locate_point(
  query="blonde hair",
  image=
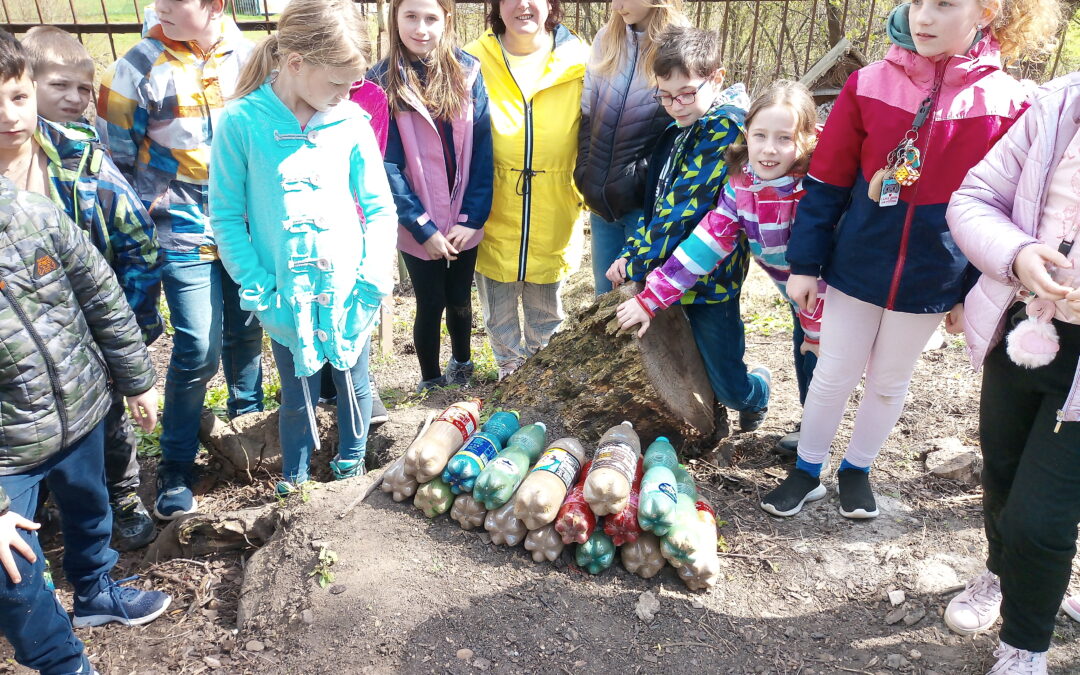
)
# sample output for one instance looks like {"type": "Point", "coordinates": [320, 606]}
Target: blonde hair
{"type": "Point", "coordinates": [50, 47]}
{"type": "Point", "coordinates": [1026, 29]}
{"type": "Point", "coordinates": [795, 97]}
{"type": "Point", "coordinates": [612, 53]}
{"type": "Point", "coordinates": [446, 91]}
{"type": "Point", "coordinates": [326, 33]}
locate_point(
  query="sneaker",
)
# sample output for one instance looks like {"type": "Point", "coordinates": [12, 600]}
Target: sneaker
{"type": "Point", "coordinates": [1071, 605]}
{"type": "Point", "coordinates": [750, 421]}
{"type": "Point", "coordinates": [121, 604]}
{"type": "Point", "coordinates": [1013, 661]}
{"type": "Point", "coordinates": [797, 489]}
{"type": "Point", "coordinates": [434, 383]}
{"type": "Point", "coordinates": [379, 416]}
{"type": "Point", "coordinates": [347, 468]}
{"type": "Point", "coordinates": [789, 444]}
{"type": "Point", "coordinates": [175, 497]}
{"type": "Point", "coordinates": [856, 498]}
{"type": "Point", "coordinates": [977, 607]}
{"type": "Point", "coordinates": [458, 372]}
{"type": "Point", "coordinates": [284, 488]}
{"type": "Point", "coordinates": [132, 526]}
{"type": "Point", "coordinates": [508, 369]}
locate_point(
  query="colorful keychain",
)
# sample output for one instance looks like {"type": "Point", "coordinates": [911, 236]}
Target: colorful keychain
{"type": "Point", "coordinates": [902, 166]}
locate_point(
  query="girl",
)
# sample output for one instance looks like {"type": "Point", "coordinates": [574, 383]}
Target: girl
{"type": "Point", "coordinates": [620, 122]}
{"type": "Point", "coordinates": [899, 140]}
{"type": "Point", "coordinates": [438, 157]}
{"type": "Point", "coordinates": [1017, 217]}
{"type": "Point", "coordinates": [292, 160]}
{"type": "Point", "coordinates": [764, 186]}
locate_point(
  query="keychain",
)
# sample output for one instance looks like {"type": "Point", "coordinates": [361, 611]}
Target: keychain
{"type": "Point", "coordinates": [902, 166]}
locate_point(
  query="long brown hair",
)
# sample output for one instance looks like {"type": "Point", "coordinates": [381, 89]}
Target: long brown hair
{"type": "Point", "coordinates": [446, 91]}
{"type": "Point", "coordinates": [612, 44]}
{"type": "Point", "coordinates": [796, 98]}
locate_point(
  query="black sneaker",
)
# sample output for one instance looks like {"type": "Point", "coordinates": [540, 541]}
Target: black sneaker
{"type": "Point", "coordinates": [856, 497]}
{"type": "Point", "coordinates": [429, 385]}
{"type": "Point", "coordinates": [379, 416]}
{"type": "Point", "coordinates": [789, 444]}
{"type": "Point", "coordinates": [797, 489]}
{"type": "Point", "coordinates": [458, 372]}
{"type": "Point", "coordinates": [132, 526]}
{"type": "Point", "coordinates": [750, 421]}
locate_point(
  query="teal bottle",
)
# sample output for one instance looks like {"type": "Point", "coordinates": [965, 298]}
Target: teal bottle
{"type": "Point", "coordinates": [661, 453]}
{"type": "Point", "coordinates": [596, 554]}
{"type": "Point", "coordinates": [464, 467]}
{"type": "Point", "coordinates": [679, 541]}
{"type": "Point", "coordinates": [659, 490]}
{"type": "Point", "coordinates": [502, 476]}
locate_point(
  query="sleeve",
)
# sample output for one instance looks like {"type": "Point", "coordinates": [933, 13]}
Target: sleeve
{"type": "Point", "coordinates": [411, 213]}
{"type": "Point", "coordinates": [811, 321]}
{"type": "Point", "coordinates": [588, 92]}
{"type": "Point", "coordinates": [380, 119]}
{"type": "Point", "coordinates": [371, 189]}
{"type": "Point", "coordinates": [476, 204]}
{"type": "Point", "coordinates": [122, 115]}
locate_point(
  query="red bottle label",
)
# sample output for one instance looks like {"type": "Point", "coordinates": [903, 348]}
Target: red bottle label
{"type": "Point", "coordinates": [460, 418]}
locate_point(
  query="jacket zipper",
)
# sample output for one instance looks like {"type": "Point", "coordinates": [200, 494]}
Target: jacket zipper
{"type": "Point", "coordinates": [526, 185]}
{"type": "Point", "coordinates": [50, 366]}
{"type": "Point", "coordinates": [618, 123]}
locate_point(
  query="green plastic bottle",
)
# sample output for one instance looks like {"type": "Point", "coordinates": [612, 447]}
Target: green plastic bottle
{"type": "Point", "coordinates": [596, 554]}
{"type": "Point", "coordinates": [661, 453]}
{"type": "Point", "coordinates": [659, 494]}
{"type": "Point", "coordinates": [464, 467]}
{"type": "Point", "coordinates": [502, 476]}
{"type": "Point", "coordinates": [681, 540]}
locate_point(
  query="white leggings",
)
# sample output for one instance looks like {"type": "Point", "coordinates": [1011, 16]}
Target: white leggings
{"type": "Point", "coordinates": [857, 336]}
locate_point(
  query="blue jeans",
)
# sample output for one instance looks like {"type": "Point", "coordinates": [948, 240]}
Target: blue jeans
{"type": "Point", "coordinates": [721, 339]}
{"type": "Point", "coordinates": [607, 240]}
{"type": "Point", "coordinates": [804, 363]}
{"type": "Point", "coordinates": [31, 618]}
{"type": "Point", "coordinates": [297, 442]}
{"type": "Point", "coordinates": [204, 304]}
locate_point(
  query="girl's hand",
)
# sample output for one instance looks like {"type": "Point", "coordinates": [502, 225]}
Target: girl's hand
{"type": "Point", "coordinates": [802, 289]}
{"type": "Point", "coordinates": [1073, 298]}
{"type": "Point", "coordinates": [810, 348]}
{"type": "Point", "coordinates": [144, 409]}
{"type": "Point", "coordinates": [954, 320]}
{"type": "Point", "coordinates": [438, 247]}
{"type": "Point", "coordinates": [10, 539]}
{"type": "Point", "coordinates": [630, 313]}
{"type": "Point", "coordinates": [459, 235]}
{"type": "Point", "coordinates": [616, 274]}
{"type": "Point", "coordinates": [1030, 268]}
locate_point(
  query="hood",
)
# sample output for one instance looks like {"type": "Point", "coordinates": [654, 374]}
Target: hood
{"type": "Point", "coordinates": [733, 102]}
{"type": "Point", "coordinates": [982, 58]}
{"type": "Point", "coordinates": [566, 62]}
{"type": "Point", "coordinates": [230, 35]}
{"type": "Point", "coordinates": [265, 101]}
{"type": "Point", "coordinates": [64, 140]}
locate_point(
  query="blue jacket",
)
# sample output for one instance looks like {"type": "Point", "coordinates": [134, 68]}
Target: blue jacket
{"type": "Point", "coordinates": [283, 203]}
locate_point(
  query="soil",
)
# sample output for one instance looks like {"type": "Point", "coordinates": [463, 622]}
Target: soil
{"type": "Point", "coordinates": [803, 595]}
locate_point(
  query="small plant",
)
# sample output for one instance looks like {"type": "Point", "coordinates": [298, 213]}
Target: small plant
{"type": "Point", "coordinates": [148, 443]}
{"type": "Point", "coordinates": [322, 571]}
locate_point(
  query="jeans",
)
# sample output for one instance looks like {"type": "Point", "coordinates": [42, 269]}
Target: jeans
{"type": "Point", "coordinates": [204, 303]}
{"type": "Point", "coordinates": [543, 316]}
{"type": "Point", "coordinates": [297, 441]}
{"type": "Point", "coordinates": [31, 618]}
{"type": "Point", "coordinates": [121, 450]}
{"type": "Point", "coordinates": [440, 286]}
{"type": "Point", "coordinates": [804, 363]}
{"type": "Point", "coordinates": [721, 339]}
{"type": "Point", "coordinates": [1031, 487]}
{"type": "Point", "coordinates": [607, 240]}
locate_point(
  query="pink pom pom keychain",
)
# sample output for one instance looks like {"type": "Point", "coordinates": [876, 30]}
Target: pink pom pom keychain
{"type": "Point", "coordinates": [1034, 341]}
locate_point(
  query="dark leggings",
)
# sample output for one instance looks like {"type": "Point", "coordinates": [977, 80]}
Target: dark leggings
{"type": "Point", "coordinates": [439, 287]}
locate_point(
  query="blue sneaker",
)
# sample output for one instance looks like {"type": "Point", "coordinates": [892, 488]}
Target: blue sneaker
{"type": "Point", "coordinates": [284, 488]}
{"type": "Point", "coordinates": [121, 604]}
{"type": "Point", "coordinates": [347, 468]}
{"type": "Point", "coordinates": [175, 497]}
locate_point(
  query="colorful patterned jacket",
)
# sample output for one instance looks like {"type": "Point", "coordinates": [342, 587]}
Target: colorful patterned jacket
{"type": "Point", "coordinates": [90, 189]}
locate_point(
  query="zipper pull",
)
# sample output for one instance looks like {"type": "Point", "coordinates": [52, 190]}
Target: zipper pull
{"type": "Point", "coordinates": [1060, 419]}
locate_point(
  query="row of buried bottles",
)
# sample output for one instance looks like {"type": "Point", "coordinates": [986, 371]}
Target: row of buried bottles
{"type": "Point", "coordinates": [506, 478]}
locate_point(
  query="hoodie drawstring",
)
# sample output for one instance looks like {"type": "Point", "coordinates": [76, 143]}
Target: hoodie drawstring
{"type": "Point", "coordinates": [312, 422]}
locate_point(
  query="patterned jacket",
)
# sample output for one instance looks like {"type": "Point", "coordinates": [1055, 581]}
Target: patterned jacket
{"type": "Point", "coordinates": [157, 110]}
{"type": "Point", "coordinates": [65, 331]}
{"type": "Point", "coordinates": [698, 174]}
{"type": "Point", "coordinates": [90, 189]}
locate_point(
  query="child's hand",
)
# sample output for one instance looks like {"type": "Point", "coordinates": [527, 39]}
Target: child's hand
{"type": "Point", "coordinates": [954, 320]}
{"type": "Point", "coordinates": [458, 236]}
{"type": "Point", "coordinates": [1030, 268]}
{"type": "Point", "coordinates": [616, 274]}
{"type": "Point", "coordinates": [802, 289]}
{"type": "Point", "coordinates": [10, 539]}
{"type": "Point", "coordinates": [144, 408]}
{"type": "Point", "coordinates": [1073, 298]}
{"type": "Point", "coordinates": [438, 247]}
{"type": "Point", "coordinates": [808, 347]}
{"type": "Point", "coordinates": [630, 313]}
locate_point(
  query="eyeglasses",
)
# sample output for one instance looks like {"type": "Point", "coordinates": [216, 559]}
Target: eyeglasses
{"type": "Point", "coordinates": [683, 99]}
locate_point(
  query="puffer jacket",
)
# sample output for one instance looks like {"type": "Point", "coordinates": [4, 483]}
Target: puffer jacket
{"type": "Point", "coordinates": [997, 211]}
{"type": "Point", "coordinates": [620, 122]}
{"type": "Point", "coordinates": [65, 331]}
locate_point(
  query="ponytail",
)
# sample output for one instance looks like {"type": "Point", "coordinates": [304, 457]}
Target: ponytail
{"type": "Point", "coordinates": [262, 62]}
{"type": "Point", "coordinates": [1027, 29]}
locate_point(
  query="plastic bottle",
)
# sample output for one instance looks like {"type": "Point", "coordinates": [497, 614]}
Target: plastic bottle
{"type": "Point", "coordinates": [576, 521]}
{"type": "Point", "coordinates": [545, 544]}
{"type": "Point", "coordinates": [434, 498]}
{"type": "Point", "coordinates": [661, 453]}
{"type": "Point", "coordinates": [504, 527]}
{"type": "Point", "coordinates": [467, 512]}
{"type": "Point", "coordinates": [682, 540]}
{"type": "Point", "coordinates": [607, 487]}
{"type": "Point", "coordinates": [623, 526]}
{"type": "Point", "coordinates": [500, 478]}
{"type": "Point", "coordinates": [642, 556]}
{"type": "Point", "coordinates": [703, 569]}
{"type": "Point", "coordinates": [659, 490]}
{"type": "Point", "coordinates": [467, 463]}
{"type": "Point", "coordinates": [400, 484]}
{"type": "Point", "coordinates": [596, 554]}
{"type": "Point", "coordinates": [441, 439]}
{"type": "Point", "coordinates": [541, 494]}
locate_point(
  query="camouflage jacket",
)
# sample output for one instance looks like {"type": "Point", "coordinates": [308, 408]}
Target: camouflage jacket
{"type": "Point", "coordinates": [66, 331]}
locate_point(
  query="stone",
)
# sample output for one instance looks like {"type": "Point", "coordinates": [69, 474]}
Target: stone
{"type": "Point", "coordinates": [465, 654]}
{"type": "Point", "coordinates": [481, 664]}
{"type": "Point", "coordinates": [896, 598]}
{"type": "Point", "coordinates": [254, 646]}
{"type": "Point", "coordinates": [895, 661]}
{"type": "Point", "coordinates": [212, 661]}
{"type": "Point", "coordinates": [647, 606]}
{"type": "Point", "coordinates": [949, 458]}
{"type": "Point", "coordinates": [914, 616]}
{"type": "Point", "coordinates": [895, 616]}
{"type": "Point", "coordinates": [338, 589]}
{"type": "Point", "coordinates": [934, 575]}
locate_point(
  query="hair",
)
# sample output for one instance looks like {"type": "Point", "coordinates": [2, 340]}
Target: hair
{"type": "Point", "coordinates": [796, 98]}
{"type": "Point", "coordinates": [612, 44]}
{"type": "Point", "coordinates": [498, 27]}
{"type": "Point", "coordinates": [49, 47]}
{"type": "Point", "coordinates": [446, 91]}
{"type": "Point", "coordinates": [1026, 29]}
{"type": "Point", "coordinates": [327, 33]}
{"type": "Point", "coordinates": [692, 51]}
{"type": "Point", "coordinates": [14, 61]}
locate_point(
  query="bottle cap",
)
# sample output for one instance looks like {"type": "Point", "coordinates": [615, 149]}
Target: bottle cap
{"type": "Point", "coordinates": [662, 439]}
{"type": "Point", "coordinates": [541, 425]}
{"type": "Point", "coordinates": [628, 423]}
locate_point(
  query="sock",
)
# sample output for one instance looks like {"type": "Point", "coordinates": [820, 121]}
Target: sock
{"type": "Point", "coordinates": [848, 465]}
{"type": "Point", "coordinates": [809, 467]}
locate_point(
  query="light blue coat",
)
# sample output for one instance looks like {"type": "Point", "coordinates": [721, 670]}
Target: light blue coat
{"type": "Point", "coordinates": [283, 203]}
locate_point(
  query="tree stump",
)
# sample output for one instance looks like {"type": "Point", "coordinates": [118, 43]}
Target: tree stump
{"type": "Point", "coordinates": [591, 376]}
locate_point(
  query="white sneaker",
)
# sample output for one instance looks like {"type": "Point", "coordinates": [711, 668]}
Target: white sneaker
{"type": "Point", "coordinates": [1013, 661]}
{"type": "Point", "coordinates": [1071, 605]}
{"type": "Point", "coordinates": [977, 607]}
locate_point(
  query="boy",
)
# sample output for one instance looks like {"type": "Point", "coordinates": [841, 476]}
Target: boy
{"type": "Point", "coordinates": [156, 112]}
{"type": "Point", "coordinates": [686, 175]}
{"type": "Point", "coordinates": [84, 182]}
{"type": "Point", "coordinates": [65, 332]}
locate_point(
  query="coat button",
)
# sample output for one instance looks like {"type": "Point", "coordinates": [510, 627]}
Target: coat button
{"type": "Point", "coordinates": [322, 335]}
{"type": "Point", "coordinates": [323, 264]}
{"type": "Point", "coordinates": [312, 135]}
{"type": "Point", "coordinates": [323, 299]}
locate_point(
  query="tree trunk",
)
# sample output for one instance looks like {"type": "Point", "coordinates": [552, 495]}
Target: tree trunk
{"type": "Point", "coordinates": [591, 376]}
{"type": "Point", "coordinates": [201, 534]}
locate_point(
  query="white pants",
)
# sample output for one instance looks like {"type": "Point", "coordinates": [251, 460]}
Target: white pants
{"type": "Point", "coordinates": [500, 301]}
{"type": "Point", "coordinates": [858, 337]}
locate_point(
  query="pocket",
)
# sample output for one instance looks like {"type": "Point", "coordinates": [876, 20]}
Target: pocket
{"type": "Point", "coordinates": [279, 320]}
{"type": "Point", "coordinates": [360, 310]}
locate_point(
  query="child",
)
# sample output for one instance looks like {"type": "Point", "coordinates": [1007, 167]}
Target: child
{"type": "Point", "coordinates": [1016, 218]}
{"type": "Point", "coordinates": [934, 106]}
{"type": "Point", "coordinates": [440, 120]}
{"type": "Point", "coordinates": [65, 333]}
{"type": "Point", "coordinates": [77, 174]}
{"type": "Point", "coordinates": [686, 177]}
{"type": "Point", "coordinates": [620, 121]}
{"type": "Point", "coordinates": [293, 159]}
{"type": "Point", "coordinates": [759, 200]}
{"type": "Point", "coordinates": [157, 111]}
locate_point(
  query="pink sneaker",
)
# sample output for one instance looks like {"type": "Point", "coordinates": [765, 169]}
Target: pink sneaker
{"type": "Point", "coordinates": [1071, 605]}
{"type": "Point", "coordinates": [1013, 661]}
{"type": "Point", "coordinates": [977, 607]}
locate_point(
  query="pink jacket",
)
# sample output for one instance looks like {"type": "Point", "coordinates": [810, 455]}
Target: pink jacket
{"type": "Point", "coordinates": [997, 211]}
